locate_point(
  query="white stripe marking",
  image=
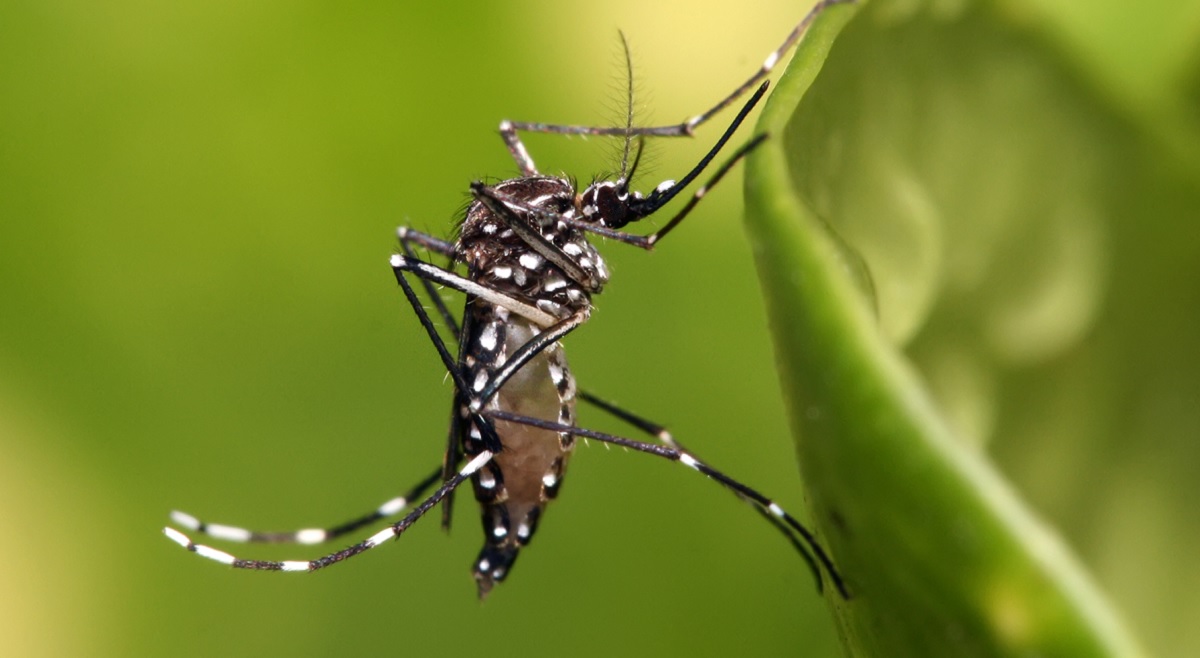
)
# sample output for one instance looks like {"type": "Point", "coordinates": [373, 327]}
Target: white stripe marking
{"type": "Point", "coordinates": [487, 337]}
{"type": "Point", "coordinates": [186, 520]}
{"type": "Point", "coordinates": [213, 554]}
{"type": "Point", "coordinates": [688, 460]}
{"type": "Point", "coordinates": [177, 537]}
{"type": "Point", "coordinates": [530, 260]}
{"type": "Point", "coordinates": [477, 463]}
{"type": "Point", "coordinates": [468, 286]}
{"type": "Point", "coordinates": [381, 536]}
{"type": "Point", "coordinates": [393, 506]}
{"type": "Point", "coordinates": [228, 532]}
{"type": "Point", "coordinates": [771, 61]}
{"type": "Point", "coordinates": [311, 536]}
{"type": "Point", "coordinates": [295, 566]}
{"type": "Point", "coordinates": [776, 510]}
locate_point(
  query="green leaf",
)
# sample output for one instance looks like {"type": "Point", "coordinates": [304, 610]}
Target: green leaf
{"type": "Point", "coordinates": [930, 212]}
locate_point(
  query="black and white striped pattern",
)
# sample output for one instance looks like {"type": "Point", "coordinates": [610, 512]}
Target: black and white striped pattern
{"type": "Point", "coordinates": [378, 538]}
{"type": "Point", "coordinates": [530, 274]}
{"type": "Point", "coordinates": [307, 536]}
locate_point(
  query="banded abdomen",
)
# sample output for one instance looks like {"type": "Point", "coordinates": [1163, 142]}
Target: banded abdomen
{"type": "Point", "coordinates": [526, 474]}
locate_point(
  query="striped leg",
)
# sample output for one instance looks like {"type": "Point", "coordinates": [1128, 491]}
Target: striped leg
{"type": "Point", "coordinates": [664, 436]}
{"type": "Point", "coordinates": [393, 530]}
{"type": "Point", "coordinates": [677, 454]}
{"type": "Point", "coordinates": [449, 279]}
{"type": "Point", "coordinates": [452, 455]}
{"type": "Point", "coordinates": [307, 535]}
{"type": "Point", "coordinates": [509, 129]}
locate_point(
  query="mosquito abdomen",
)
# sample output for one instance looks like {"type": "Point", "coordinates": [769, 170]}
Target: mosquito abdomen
{"type": "Point", "coordinates": [526, 474]}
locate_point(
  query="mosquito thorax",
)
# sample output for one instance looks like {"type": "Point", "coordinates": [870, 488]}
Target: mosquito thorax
{"type": "Point", "coordinates": [497, 256]}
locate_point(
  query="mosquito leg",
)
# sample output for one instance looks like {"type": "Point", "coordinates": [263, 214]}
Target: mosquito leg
{"type": "Point", "coordinates": [768, 64]}
{"type": "Point", "coordinates": [663, 435]}
{"type": "Point", "coordinates": [691, 461]}
{"type": "Point", "coordinates": [393, 530]}
{"type": "Point", "coordinates": [452, 455]}
{"type": "Point", "coordinates": [307, 535]}
{"type": "Point", "coordinates": [686, 128]}
{"type": "Point", "coordinates": [320, 535]}
{"type": "Point", "coordinates": [408, 237]}
{"type": "Point", "coordinates": [648, 426]}
{"type": "Point", "coordinates": [401, 264]}
{"type": "Point", "coordinates": [508, 132]}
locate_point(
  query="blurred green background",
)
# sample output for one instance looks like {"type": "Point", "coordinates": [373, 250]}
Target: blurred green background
{"type": "Point", "coordinates": [197, 203]}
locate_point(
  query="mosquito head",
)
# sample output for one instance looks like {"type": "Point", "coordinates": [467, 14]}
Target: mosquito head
{"type": "Point", "coordinates": [611, 205]}
{"type": "Point", "coordinates": [607, 203]}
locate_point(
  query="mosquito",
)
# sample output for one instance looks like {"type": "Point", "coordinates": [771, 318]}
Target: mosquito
{"type": "Point", "coordinates": [530, 275]}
